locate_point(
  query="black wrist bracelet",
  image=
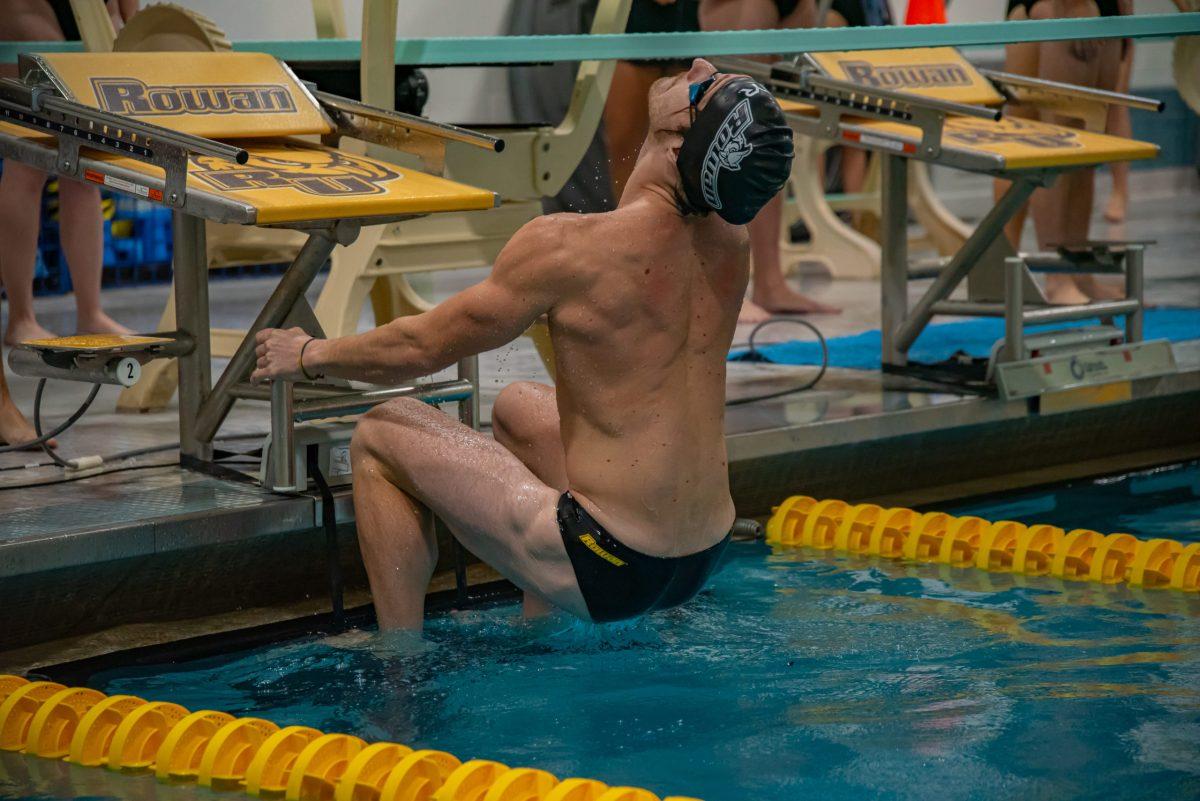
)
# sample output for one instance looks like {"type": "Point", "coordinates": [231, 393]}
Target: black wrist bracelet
{"type": "Point", "coordinates": [304, 372]}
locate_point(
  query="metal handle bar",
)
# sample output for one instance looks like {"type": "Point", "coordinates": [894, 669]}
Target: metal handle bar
{"type": "Point", "coordinates": [103, 123]}
{"type": "Point", "coordinates": [1070, 90]}
{"type": "Point", "coordinates": [337, 105]}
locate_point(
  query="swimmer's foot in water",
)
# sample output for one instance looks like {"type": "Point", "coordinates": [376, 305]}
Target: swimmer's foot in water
{"type": "Point", "coordinates": [14, 428]}
{"type": "Point", "coordinates": [101, 323]}
{"type": "Point", "coordinates": [22, 330]}
{"type": "Point", "coordinates": [783, 299]}
{"type": "Point", "coordinates": [395, 643]}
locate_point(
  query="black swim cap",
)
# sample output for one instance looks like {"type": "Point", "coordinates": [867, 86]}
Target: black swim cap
{"type": "Point", "coordinates": [738, 153]}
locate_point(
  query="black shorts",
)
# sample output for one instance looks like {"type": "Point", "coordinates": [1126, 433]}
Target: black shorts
{"type": "Point", "coordinates": [618, 582]}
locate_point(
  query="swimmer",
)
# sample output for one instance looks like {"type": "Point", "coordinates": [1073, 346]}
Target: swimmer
{"type": "Point", "coordinates": [608, 495]}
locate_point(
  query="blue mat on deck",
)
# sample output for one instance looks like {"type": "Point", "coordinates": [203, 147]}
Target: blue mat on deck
{"type": "Point", "coordinates": [941, 341]}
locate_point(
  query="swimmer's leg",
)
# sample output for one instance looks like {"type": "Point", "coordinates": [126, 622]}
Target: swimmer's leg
{"type": "Point", "coordinates": [409, 460]}
{"type": "Point", "coordinates": [525, 421]}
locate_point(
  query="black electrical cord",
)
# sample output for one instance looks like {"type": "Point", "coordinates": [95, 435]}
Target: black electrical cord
{"type": "Point", "coordinates": [37, 422]}
{"type": "Point", "coordinates": [41, 438]}
{"type": "Point", "coordinates": [172, 446]}
{"type": "Point", "coordinates": [753, 352]}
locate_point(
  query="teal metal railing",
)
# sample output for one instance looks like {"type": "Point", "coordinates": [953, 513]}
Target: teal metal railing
{"type": "Point", "coordinates": [443, 51]}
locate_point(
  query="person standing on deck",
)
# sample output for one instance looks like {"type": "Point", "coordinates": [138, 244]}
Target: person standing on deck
{"type": "Point", "coordinates": [81, 221]}
{"type": "Point", "coordinates": [608, 495]}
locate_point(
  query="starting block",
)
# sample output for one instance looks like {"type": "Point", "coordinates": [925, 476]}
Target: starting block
{"type": "Point", "coordinates": [216, 137]}
{"type": "Point", "coordinates": [932, 106]}
{"type": "Point", "coordinates": [100, 358]}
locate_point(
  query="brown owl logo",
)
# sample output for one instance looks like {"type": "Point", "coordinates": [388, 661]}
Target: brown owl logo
{"type": "Point", "coordinates": [314, 171]}
{"type": "Point", "coordinates": [1011, 130]}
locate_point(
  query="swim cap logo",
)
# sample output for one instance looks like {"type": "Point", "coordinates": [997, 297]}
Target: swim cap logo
{"type": "Point", "coordinates": [325, 173]}
{"type": "Point", "coordinates": [905, 76]}
{"type": "Point", "coordinates": [729, 147]}
{"type": "Point", "coordinates": [138, 99]}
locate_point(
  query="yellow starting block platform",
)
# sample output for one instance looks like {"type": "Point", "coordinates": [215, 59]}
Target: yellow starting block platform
{"type": "Point", "coordinates": [279, 181]}
{"type": "Point", "coordinates": [216, 136]}
{"type": "Point", "coordinates": [933, 106]}
{"type": "Point", "coordinates": [936, 72]}
{"type": "Point", "coordinates": [968, 140]}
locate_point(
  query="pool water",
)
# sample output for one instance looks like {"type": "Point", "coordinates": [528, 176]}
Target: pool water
{"type": "Point", "coordinates": [795, 675]}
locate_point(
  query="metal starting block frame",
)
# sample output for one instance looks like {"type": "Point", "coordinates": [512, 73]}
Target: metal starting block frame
{"type": "Point", "coordinates": [321, 410]}
{"type": "Point", "coordinates": [100, 359]}
{"type": "Point", "coordinates": [44, 104]}
{"type": "Point", "coordinates": [1027, 366]}
{"type": "Point", "coordinates": [1000, 282]}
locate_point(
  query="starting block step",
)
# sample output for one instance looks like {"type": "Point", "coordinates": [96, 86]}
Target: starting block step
{"type": "Point", "coordinates": [97, 343]}
{"type": "Point", "coordinates": [94, 358]}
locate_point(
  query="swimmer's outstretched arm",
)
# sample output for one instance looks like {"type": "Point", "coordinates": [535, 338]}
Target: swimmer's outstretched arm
{"type": "Point", "coordinates": [526, 282]}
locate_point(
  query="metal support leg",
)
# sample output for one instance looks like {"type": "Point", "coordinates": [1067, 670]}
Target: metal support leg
{"type": "Point", "coordinates": [990, 227]}
{"type": "Point", "coordinates": [894, 264]}
{"type": "Point", "coordinates": [283, 437]}
{"type": "Point", "coordinates": [290, 289]}
{"type": "Point", "coordinates": [1014, 309]}
{"type": "Point", "coordinates": [468, 408]}
{"type": "Point", "coordinates": [190, 264]}
{"type": "Point", "coordinates": [1134, 290]}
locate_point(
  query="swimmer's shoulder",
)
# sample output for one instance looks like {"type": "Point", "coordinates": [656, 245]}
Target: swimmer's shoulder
{"type": "Point", "coordinates": [545, 237]}
{"type": "Point", "coordinates": [552, 232]}
{"type": "Point", "coordinates": [555, 245]}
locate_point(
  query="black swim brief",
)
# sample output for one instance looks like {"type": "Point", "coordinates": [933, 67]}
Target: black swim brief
{"type": "Point", "coordinates": [618, 582]}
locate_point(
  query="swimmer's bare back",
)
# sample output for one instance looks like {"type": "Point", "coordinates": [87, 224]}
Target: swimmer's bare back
{"type": "Point", "coordinates": [640, 350]}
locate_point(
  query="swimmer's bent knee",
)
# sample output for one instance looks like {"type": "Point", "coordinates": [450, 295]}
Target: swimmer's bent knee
{"type": "Point", "coordinates": [506, 409]}
{"type": "Point", "coordinates": [389, 420]}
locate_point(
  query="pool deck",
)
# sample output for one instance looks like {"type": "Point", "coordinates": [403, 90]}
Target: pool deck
{"type": "Point", "coordinates": [160, 544]}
